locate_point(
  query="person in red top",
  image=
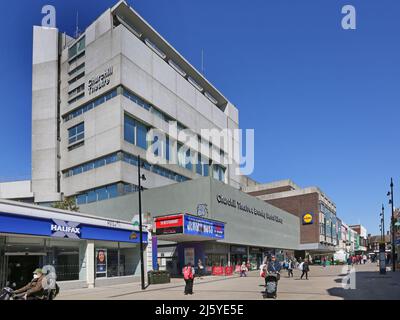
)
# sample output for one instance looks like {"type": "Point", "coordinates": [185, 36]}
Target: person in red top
{"type": "Point", "coordinates": [188, 275]}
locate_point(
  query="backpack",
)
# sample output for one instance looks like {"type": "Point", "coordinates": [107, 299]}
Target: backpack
{"type": "Point", "coordinates": [187, 273]}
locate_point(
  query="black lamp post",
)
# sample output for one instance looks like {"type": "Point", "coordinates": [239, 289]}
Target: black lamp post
{"type": "Point", "coordinates": [383, 224]}
{"type": "Point", "coordinates": [140, 178]}
{"type": "Point", "coordinates": [392, 226]}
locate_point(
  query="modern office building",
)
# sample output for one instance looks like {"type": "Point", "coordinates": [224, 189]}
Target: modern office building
{"type": "Point", "coordinates": [319, 229]}
{"type": "Point", "coordinates": [94, 99]}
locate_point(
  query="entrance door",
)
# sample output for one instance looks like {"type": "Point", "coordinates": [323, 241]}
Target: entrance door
{"type": "Point", "coordinates": [20, 269]}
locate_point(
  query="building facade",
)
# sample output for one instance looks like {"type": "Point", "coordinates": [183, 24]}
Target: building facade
{"type": "Point", "coordinates": [95, 99]}
{"type": "Point", "coordinates": [243, 228]}
{"type": "Point", "coordinates": [320, 228]}
{"type": "Point", "coordinates": [84, 250]}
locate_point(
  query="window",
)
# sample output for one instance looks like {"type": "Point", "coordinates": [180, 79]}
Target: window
{"type": "Point", "coordinates": [77, 69]}
{"type": "Point", "coordinates": [76, 133]}
{"type": "Point", "coordinates": [202, 166]}
{"type": "Point", "coordinates": [77, 48]}
{"type": "Point", "coordinates": [141, 131]}
{"type": "Point", "coordinates": [76, 90]}
{"type": "Point", "coordinates": [135, 132]}
{"type": "Point", "coordinates": [219, 173]}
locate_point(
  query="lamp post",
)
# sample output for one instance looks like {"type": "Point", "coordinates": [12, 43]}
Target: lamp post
{"type": "Point", "coordinates": [390, 193]}
{"type": "Point", "coordinates": [383, 224]}
{"type": "Point", "coordinates": [140, 178]}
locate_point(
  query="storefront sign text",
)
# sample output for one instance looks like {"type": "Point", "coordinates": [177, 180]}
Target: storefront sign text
{"type": "Point", "coordinates": [62, 229]}
{"type": "Point", "coordinates": [245, 208]}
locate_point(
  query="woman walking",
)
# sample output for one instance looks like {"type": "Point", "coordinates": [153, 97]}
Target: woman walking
{"type": "Point", "coordinates": [188, 275]}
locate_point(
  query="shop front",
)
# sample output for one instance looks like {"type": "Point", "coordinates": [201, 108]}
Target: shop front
{"type": "Point", "coordinates": [195, 238]}
{"type": "Point", "coordinates": [84, 251]}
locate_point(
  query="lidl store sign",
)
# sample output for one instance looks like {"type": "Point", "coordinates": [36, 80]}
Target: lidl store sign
{"type": "Point", "coordinates": [308, 218]}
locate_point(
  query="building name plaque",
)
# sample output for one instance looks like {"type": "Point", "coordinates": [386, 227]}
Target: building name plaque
{"type": "Point", "coordinates": [245, 208]}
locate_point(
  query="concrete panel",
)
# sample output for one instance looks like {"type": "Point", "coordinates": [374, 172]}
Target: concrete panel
{"type": "Point", "coordinates": [186, 91]}
{"type": "Point", "coordinates": [164, 73]}
{"type": "Point", "coordinates": [44, 38]}
{"type": "Point", "coordinates": [136, 51]}
{"type": "Point", "coordinates": [164, 99]}
{"type": "Point", "coordinates": [44, 113]}
{"type": "Point", "coordinates": [232, 112]}
{"type": "Point", "coordinates": [16, 190]}
{"type": "Point", "coordinates": [136, 79]}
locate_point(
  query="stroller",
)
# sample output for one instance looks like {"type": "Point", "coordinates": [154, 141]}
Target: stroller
{"type": "Point", "coordinates": [6, 294]}
{"type": "Point", "coordinates": [271, 285]}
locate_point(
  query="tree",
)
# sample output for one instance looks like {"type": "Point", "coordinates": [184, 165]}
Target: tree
{"type": "Point", "coordinates": [68, 204]}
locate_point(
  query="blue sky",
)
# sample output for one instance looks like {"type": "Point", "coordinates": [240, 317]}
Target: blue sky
{"type": "Point", "coordinates": [324, 102]}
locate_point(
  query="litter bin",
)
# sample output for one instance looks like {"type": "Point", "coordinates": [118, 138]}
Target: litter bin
{"type": "Point", "coordinates": [158, 277]}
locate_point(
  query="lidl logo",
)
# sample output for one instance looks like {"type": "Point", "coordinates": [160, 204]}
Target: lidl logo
{"type": "Point", "coordinates": [308, 218]}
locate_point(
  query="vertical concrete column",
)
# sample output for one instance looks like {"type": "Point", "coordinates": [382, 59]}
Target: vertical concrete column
{"type": "Point", "coordinates": [90, 267]}
{"type": "Point", "coordinates": [229, 255]}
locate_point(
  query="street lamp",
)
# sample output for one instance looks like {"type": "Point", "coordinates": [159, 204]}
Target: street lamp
{"type": "Point", "coordinates": [390, 193]}
{"type": "Point", "coordinates": [140, 178]}
{"type": "Point", "coordinates": [383, 223]}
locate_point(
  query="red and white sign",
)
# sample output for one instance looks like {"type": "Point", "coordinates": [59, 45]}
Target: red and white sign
{"type": "Point", "coordinates": [169, 225]}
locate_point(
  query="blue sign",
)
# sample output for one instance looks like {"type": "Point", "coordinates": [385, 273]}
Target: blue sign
{"type": "Point", "coordinates": [25, 225]}
{"type": "Point", "coordinates": [202, 227]}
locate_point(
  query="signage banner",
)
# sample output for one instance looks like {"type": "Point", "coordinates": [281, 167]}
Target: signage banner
{"type": "Point", "coordinates": [169, 225]}
{"type": "Point", "coordinates": [308, 218]}
{"type": "Point", "coordinates": [202, 227]}
{"type": "Point", "coordinates": [101, 262]}
{"type": "Point", "coordinates": [27, 225]}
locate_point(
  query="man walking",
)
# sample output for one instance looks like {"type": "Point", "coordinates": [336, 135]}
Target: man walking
{"type": "Point", "coordinates": [290, 267]}
{"type": "Point", "coordinates": [306, 269]}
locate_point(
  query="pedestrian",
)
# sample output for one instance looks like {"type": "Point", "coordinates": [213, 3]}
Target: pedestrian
{"type": "Point", "coordinates": [248, 265]}
{"type": "Point", "coordinates": [188, 275]}
{"type": "Point", "coordinates": [200, 268]}
{"type": "Point", "coordinates": [349, 263]}
{"type": "Point", "coordinates": [365, 259]}
{"type": "Point", "coordinates": [324, 262]}
{"type": "Point", "coordinates": [290, 267]}
{"type": "Point", "coordinates": [306, 269]}
{"type": "Point", "coordinates": [243, 270]}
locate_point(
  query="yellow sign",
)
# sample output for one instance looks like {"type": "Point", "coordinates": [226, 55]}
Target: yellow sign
{"type": "Point", "coordinates": [308, 218]}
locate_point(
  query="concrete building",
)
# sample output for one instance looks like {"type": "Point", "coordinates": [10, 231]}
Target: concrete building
{"type": "Point", "coordinates": [208, 220]}
{"type": "Point", "coordinates": [319, 229]}
{"type": "Point", "coordinates": [95, 99]}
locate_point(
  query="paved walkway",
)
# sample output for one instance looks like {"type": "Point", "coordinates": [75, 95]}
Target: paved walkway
{"type": "Point", "coordinates": [323, 284]}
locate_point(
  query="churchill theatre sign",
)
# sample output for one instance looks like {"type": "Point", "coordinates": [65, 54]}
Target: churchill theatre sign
{"type": "Point", "coordinates": [247, 209]}
{"type": "Point", "coordinates": [100, 81]}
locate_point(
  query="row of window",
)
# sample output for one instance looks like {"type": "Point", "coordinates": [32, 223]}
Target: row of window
{"type": "Point", "coordinates": [131, 96]}
{"type": "Point", "coordinates": [135, 133]}
{"type": "Point", "coordinates": [91, 105]}
{"type": "Point", "coordinates": [128, 158]}
{"type": "Point", "coordinates": [106, 192]}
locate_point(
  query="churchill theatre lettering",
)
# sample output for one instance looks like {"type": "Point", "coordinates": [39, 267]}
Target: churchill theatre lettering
{"type": "Point", "coordinates": [245, 208]}
{"type": "Point", "coordinates": [100, 81]}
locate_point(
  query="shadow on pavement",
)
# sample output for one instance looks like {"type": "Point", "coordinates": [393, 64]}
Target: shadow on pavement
{"type": "Point", "coordinates": [367, 285]}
